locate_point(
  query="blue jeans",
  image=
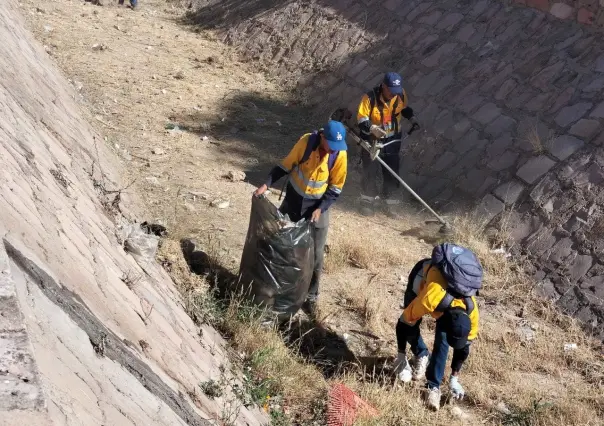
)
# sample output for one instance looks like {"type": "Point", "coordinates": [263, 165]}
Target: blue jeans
{"type": "Point", "coordinates": [438, 360]}
{"type": "Point", "coordinates": [132, 2]}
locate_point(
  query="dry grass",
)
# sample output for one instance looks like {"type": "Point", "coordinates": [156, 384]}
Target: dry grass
{"type": "Point", "coordinates": [538, 142]}
{"type": "Point", "coordinates": [361, 251]}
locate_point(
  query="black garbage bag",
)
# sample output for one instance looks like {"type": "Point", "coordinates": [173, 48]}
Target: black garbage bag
{"type": "Point", "coordinates": [277, 260]}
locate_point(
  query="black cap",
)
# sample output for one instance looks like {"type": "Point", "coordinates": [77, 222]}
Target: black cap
{"type": "Point", "coordinates": [458, 326]}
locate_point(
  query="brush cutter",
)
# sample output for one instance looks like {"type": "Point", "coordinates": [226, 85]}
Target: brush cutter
{"type": "Point", "coordinates": [374, 149]}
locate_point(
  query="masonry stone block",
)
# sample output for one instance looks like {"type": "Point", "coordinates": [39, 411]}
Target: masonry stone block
{"type": "Point", "coordinates": [500, 145]}
{"type": "Point", "coordinates": [425, 84]}
{"type": "Point", "coordinates": [431, 18]}
{"type": "Point", "coordinates": [489, 207]}
{"type": "Point", "coordinates": [596, 85]}
{"type": "Point", "coordinates": [564, 146]}
{"type": "Point", "coordinates": [459, 129]}
{"type": "Point", "coordinates": [487, 113]}
{"type": "Point", "coordinates": [465, 33]}
{"type": "Point", "coordinates": [506, 88]}
{"type": "Point", "coordinates": [503, 161]}
{"type": "Point", "coordinates": [509, 192]}
{"type": "Point", "coordinates": [450, 21]}
{"type": "Point", "coordinates": [598, 111]}
{"type": "Point", "coordinates": [469, 103]}
{"type": "Point", "coordinates": [561, 250]}
{"type": "Point", "coordinates": [585, 129]}
{"type": "Point", "coordinates": [580, 266]}
{"type": "Point", "coordinates": [444, 161]}
{"type": "Point", "coordinates": [501, 124]}
{"type": "Point", "coordinates": [570, 114]}
{"type": "Point", "coordinates": [535, 168]}
{"type": "Point", "coordinates": [435, 58]}
{"type": "Point", "coordinates": [467, 142]}
{"type": "Point", "coordinates": [421, 8]}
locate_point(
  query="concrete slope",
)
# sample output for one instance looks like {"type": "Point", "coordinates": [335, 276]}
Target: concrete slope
{"type": "Point", "coordinates": [77, 345]}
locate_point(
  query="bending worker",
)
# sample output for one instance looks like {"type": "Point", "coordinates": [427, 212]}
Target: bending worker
{"type": "Point", "coordinates": [444, 287]}
{"type": "Point", "coordinates": [379, 118]}
{"type": "Point", "coordinates": [317, 167]}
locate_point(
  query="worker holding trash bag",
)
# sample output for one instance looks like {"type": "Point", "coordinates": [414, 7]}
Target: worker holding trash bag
{"type": "Point", "coordinates": [379, 118]}
{"type": "Point", "coordinates": [316, 168]}
{"type": "Point", "coordinates": [443, 286]}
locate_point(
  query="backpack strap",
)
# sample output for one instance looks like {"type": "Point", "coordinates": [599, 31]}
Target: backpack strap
{"type": "Point", "coordinates": [448, 300]}
{"type": "Point", "coordinates": [312, 144]}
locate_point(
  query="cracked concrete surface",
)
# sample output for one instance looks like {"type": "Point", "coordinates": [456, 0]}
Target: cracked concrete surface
{"type": "Point", "coordinates": [70, 329]}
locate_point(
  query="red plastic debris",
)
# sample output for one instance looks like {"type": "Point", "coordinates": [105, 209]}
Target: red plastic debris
{"type": "Point", "coordinates": [344, 406]}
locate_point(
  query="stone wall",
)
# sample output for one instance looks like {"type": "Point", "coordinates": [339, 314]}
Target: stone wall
{"type": "Point", "coordinates": [80, 343]}
{"type": "Point", "coordinates": [511, 99]}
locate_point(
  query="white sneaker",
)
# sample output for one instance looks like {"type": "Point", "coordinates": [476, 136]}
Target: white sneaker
{"type": "Point", "coordinates": [433, 399]}
{"type": "Point", "coordinates": [421, 365]}
{"type": "Point", "coordinates": [402, 369]}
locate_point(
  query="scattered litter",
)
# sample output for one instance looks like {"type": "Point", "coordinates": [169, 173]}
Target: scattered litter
{"type": "Point", "coordinates": [223, 119]}
{"type": "Point", "coordinates": [205, 138]}
{"type": "Point", "coordinates": [199, 194]}
{"type": "Point", "coordinates": [138, 242]}
{"type": "Point", "coordinates": [220, 204]}
{"type": "Point", "coordinates": [179, 75]}
{"type": "Point", "coordinates": [346, 337]}
{"type": "Point", "coordinates": [117, 146]}
{"type": "Point", "coordinates": [164, 91]}
{"type": "Point", "coordinates": [260, 120]}
{"type": "Point", "coordinates": [279, 123]}
{"type": "Point", "coordinates": [570, 347]}
{"type": "Point", "coordinates": [149, 48]}
{"type": "Point", "coordinates": [501, 250]}
{"type": "Point", "coordinates": [158, 151]}
{"type": "Point", "coordinates": [154, 228]}
{"type": "Point", "coordinates": [152, 180]}
{"type": "Point", "coordinates": [48, 28]}
{"type": "Point", "coordinates": [99, 46]}
{"type": "Point", "coordinates": [502, 408]}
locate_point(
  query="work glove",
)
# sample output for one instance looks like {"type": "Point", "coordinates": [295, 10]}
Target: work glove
{"type": "Point", "coordinates": [457, 390]}
{"type": "Point", "coordinates": [414, 125]}
{"type": "Point", "coordinates": [377, 131]}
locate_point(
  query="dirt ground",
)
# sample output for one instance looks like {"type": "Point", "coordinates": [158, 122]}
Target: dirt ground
{"type": "Point", "coordinates": [181, 112]}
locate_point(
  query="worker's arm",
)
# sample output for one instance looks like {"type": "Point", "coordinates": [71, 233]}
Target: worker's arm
{"type": "Point", "coordinates": [337, 178]}
{"type": "Point", "coordinates": [289, 162]}
{"type": "Point", "coordinates": [364, 116]}
{"type": "Point", "coordinates": [474, 317]}
{"type": "Point", "coordinates": [403, 107]}
{"type": "Point", "coordinates": [425, 303]}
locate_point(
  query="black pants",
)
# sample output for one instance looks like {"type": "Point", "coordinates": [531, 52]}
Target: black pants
{"type": "Point", "coordinates": [320, 239]}
{"type": "Point", "coordinates": [391, 156]}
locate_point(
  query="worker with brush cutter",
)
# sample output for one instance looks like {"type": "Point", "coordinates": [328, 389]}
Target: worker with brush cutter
{"type": "Point", "coordinates": [379, 118]}
{"type": "Point", "coordinates": [443, 286]}
{"type": "Point", "coordinates": [317, 167]}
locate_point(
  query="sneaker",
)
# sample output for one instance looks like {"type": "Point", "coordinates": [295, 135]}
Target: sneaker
{"type": "Point", "coordinates": [402, 369]}
{"type": "Point", "coordinates": [433, 399]}
{"type": "Point", "coordinates": [366, 209]}
{"type": "Point", "coordinates": [421, 364]}
{"type": "Point", "coordinates": [391, 209]}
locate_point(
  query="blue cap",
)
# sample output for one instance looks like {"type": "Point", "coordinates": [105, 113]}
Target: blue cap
{"type": "Point", "coordinates": [335, 133]}
{"type": "Point", "coordinates": [394, 82]}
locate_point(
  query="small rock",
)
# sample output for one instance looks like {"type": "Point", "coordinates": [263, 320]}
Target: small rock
{"type": "Point", "coordinates": [199, 194]}
{"type": "Point", "coordinates": [236, 175]}
{"type": "Point", "coordinates": [205, 138]}
{"type": "Point", "coordinates": [154, 77]}
{"type": "Point", "coordinates": [190, 207]}
{"type": "Point", "coordinates": [48, 28]}
{"type": "Point", "coordinates": [220, 204]}
{"type": "Point", "coordinates": [152, 180]}
{"type": "Point", "coordinates": [164, 91]}
{"type": "Point", "coordinates": [179, 75]}
{"type": "Point", "coordinates": [149, 48]}
{"type": "Point", "coordinates": [158, 151]}
{"type": "Point", "coordinates": [346, 336]}
{"type": "Point", "coordinates": [526, 334]}
{"type": "Point", "coordinates": [570, 347]}
{"type": "Point", "coordinates": [99, 46]}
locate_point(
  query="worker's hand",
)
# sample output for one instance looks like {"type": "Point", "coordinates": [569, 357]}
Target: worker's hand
{"type": "Point", "coordinates": [316, 215]}
{"type": "Point", "coordinates": [377, 131]}
{"type": "Point", "coordinates": [260, 191]}
{"type": "Point", "coordinates": [457, 391]}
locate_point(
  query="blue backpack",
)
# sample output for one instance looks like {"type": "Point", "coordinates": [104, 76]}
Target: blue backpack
{"type": "Point", "coordinates": [463, 272]}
